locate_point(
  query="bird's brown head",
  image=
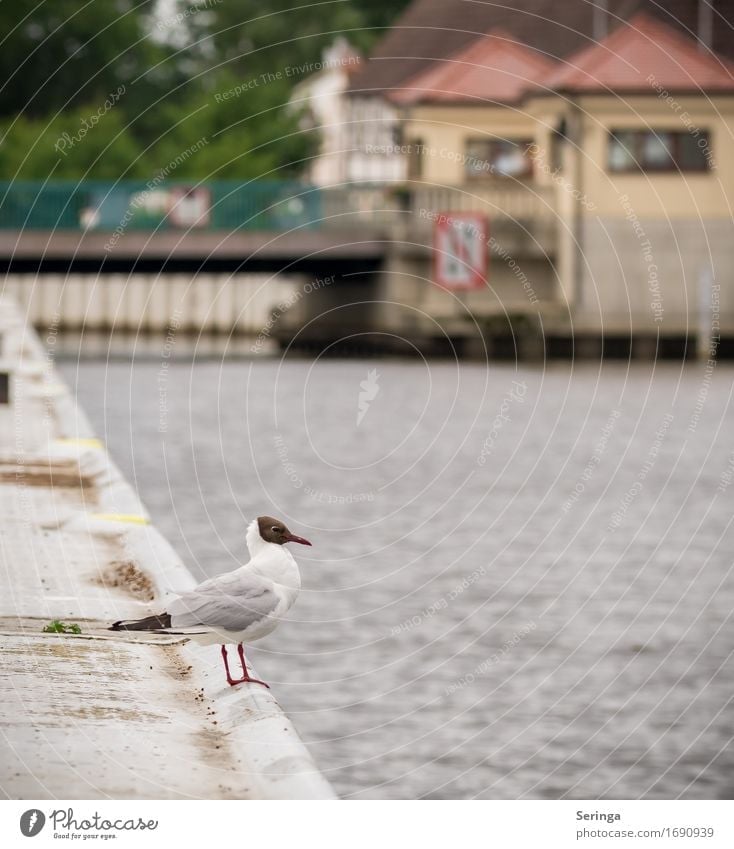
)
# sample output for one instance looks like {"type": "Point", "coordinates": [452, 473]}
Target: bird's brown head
{"type": "Point", "coordinates": [273, 530]}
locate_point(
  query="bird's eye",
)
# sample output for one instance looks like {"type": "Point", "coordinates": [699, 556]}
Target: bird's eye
{"type": "Point", "coordinates": [275, 529]}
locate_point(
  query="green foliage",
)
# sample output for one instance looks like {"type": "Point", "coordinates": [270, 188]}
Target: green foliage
{"type": "Point", "coordinates": [248, 134]}
{"type": "Point", "coordinates": [58, 627]}
{"type": "Point", "coordinates": [251, 37]}
{"type": "Point", "coordinates": [40, 147]}
{"type": "Point", "coordinates": [379, 14]}
{"type": "Point", "coordinates": [64, 60]}
{"type": "Point", "coordinates": [65, 53]}
{"type": "Point", "coordinates": [266, 35]}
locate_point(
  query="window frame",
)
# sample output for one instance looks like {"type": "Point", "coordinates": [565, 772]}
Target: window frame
{"type": "Point", "coordinates": [522, 144]}
{"type": "Point", "coordinates": [675, 166]}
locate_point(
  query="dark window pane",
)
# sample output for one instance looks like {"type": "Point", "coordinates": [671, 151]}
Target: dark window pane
{"type": "Point", "coordinates": [415, 159]}
{"type": "Point", "coordinates": [476, 162]}
{"type": "Point", "coordinates": [692, 151]}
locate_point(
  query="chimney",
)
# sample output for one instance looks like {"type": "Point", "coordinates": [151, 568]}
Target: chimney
{"type": "Point", "coordinates": [601, 20]}
{"type": "Point", "coordinates": [705, 24]}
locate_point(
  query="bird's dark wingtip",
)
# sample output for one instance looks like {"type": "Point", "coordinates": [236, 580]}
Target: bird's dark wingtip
{"type": "Point", "coordinates": [148, 623]}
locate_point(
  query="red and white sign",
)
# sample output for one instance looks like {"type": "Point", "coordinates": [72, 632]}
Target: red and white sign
{"type": "Point", "coordinates": [189, 207]}
{"type": "Point", "coordinates": [460, 248]}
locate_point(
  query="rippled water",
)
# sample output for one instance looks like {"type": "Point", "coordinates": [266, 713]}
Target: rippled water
{"type": "Point", "coordinates": [521, 581]}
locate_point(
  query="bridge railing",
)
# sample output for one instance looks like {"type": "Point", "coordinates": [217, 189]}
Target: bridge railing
{"type": "Point", "coordinates": [132, 205]}
{"type": "Point", "coordinates": [257, 205]}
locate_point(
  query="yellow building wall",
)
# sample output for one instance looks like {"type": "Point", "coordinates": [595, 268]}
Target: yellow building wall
{"type": "Point", "coordinates": [667, 195]}
{"type": "Point", "coordinates": [652, 240]}
{"type": "Point", "coordinates": [444, 131]}
{"type": "Point", "coordinates": [616, 277]}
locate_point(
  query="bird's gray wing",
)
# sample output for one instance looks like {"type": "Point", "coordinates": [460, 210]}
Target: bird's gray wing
{"type": "Point", "coordinates": [232, 605]}
{"type": "Point", "coordinates": [223, 583]}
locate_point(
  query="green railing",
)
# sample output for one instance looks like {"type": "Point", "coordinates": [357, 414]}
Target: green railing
{"type": "Point", "coordinates": [105, 206]}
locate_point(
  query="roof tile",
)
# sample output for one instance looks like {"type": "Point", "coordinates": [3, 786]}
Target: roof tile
{"type": "Point", "coordinates": [643, 46]}
{"type": "Point", "coordinates": [493, 68]}
{"type": "Point", "coordinates": [430, 30]}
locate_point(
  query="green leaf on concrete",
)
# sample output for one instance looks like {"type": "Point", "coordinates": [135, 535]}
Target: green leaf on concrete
{"type": "Point", "coordinates": [58, 627]}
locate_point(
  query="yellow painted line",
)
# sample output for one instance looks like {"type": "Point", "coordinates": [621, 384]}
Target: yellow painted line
{"type": "Point", "coordinates": [92, 442]}
{"type": "Point", "coordinates": [129, 518]}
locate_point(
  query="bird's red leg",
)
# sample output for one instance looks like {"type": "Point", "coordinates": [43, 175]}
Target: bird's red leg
{"type": "Point", "coordinates": [241, 652]}
{"type": "Point", "coordinates": [226, 666]}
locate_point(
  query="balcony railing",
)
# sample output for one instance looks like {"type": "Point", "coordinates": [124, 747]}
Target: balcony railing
{"type": "Point", "coordinates": [521, 202]}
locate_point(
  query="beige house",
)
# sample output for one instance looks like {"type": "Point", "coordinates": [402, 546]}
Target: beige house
{"type": "Point", "coordinates": [606, 179]}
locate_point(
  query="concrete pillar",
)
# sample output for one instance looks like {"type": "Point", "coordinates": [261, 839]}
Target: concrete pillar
{"type": "Point", "coordinates": [73, 293]}
{"type": "Point", "coordinates": [159, 312]}
{"type": "Point", "coordinates": [179, 299]}
{"type": "Point", "coordinates": [114, 285]}
{"type": "Point", "coordinates": [96, 302]}
{"type": "Point", "coordinates": [224, 304]}
{"type": "Point", "coordinates": [136, 302]}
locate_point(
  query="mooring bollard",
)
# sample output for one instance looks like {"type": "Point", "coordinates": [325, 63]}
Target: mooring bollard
{"type": "Point", "coordinates": [4, 387]}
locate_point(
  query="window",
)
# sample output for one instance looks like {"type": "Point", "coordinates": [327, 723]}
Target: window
{"type": "Point", "coordinates": [497, 158]}
{"type": "Point", "coordinates": [661, 150]}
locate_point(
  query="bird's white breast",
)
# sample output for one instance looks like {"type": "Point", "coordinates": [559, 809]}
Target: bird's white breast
{"type": "Point", "coordinates": [275, 563]}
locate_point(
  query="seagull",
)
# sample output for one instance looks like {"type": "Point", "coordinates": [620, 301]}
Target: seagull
{"type": "Point", "coordinates": [239, 606]}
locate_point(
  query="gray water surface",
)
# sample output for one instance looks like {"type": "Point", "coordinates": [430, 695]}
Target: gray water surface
{"type": "Point", "coordinates": [516, 590]}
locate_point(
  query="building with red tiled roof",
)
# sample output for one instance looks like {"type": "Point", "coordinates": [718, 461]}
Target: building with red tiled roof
{"type": "Point", "coordinates": [432, 30]}
{"type": "Point", "coordinates": [493, 69]}
{"type": "Point", "coordinates": [642, 49]}
{"type": "Point", "coordinates": [605, 175]}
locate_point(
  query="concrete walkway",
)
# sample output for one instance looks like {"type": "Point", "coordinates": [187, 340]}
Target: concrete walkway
{"type": "Point", "coordinates": [96, 714]}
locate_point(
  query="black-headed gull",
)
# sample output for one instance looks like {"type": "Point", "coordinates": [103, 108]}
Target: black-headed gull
{"type": "Point", "coordinates": [237, 607]}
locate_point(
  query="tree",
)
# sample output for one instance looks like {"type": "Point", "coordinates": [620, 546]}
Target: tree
{"type": "Point", "coordinates": [250, 38]}
{"type": "Point", "coordinates": [69, 147]}
{"type": "Point", "coordinates": [110, 89]}
{"type": "Point", "coordinates": [61, 54]}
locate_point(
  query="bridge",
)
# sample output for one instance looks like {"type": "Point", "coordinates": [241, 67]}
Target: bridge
{"type": "Point", "coordinates": [228, 225]}
{"type": "Point", "coordinates": [376, 242]}
{"type": "Point", "coordinates": [139, 227]}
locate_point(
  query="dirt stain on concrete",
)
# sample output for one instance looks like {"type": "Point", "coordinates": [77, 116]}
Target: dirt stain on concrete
{"type": "Point", "coordinates": [125, 575]}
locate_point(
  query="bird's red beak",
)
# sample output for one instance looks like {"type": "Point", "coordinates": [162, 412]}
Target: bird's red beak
{"type": "Point", "coordinates": [294, 538]}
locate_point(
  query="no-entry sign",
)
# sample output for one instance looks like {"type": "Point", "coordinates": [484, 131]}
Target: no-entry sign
{"type": "Point", "coordinates": [461, 255]}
